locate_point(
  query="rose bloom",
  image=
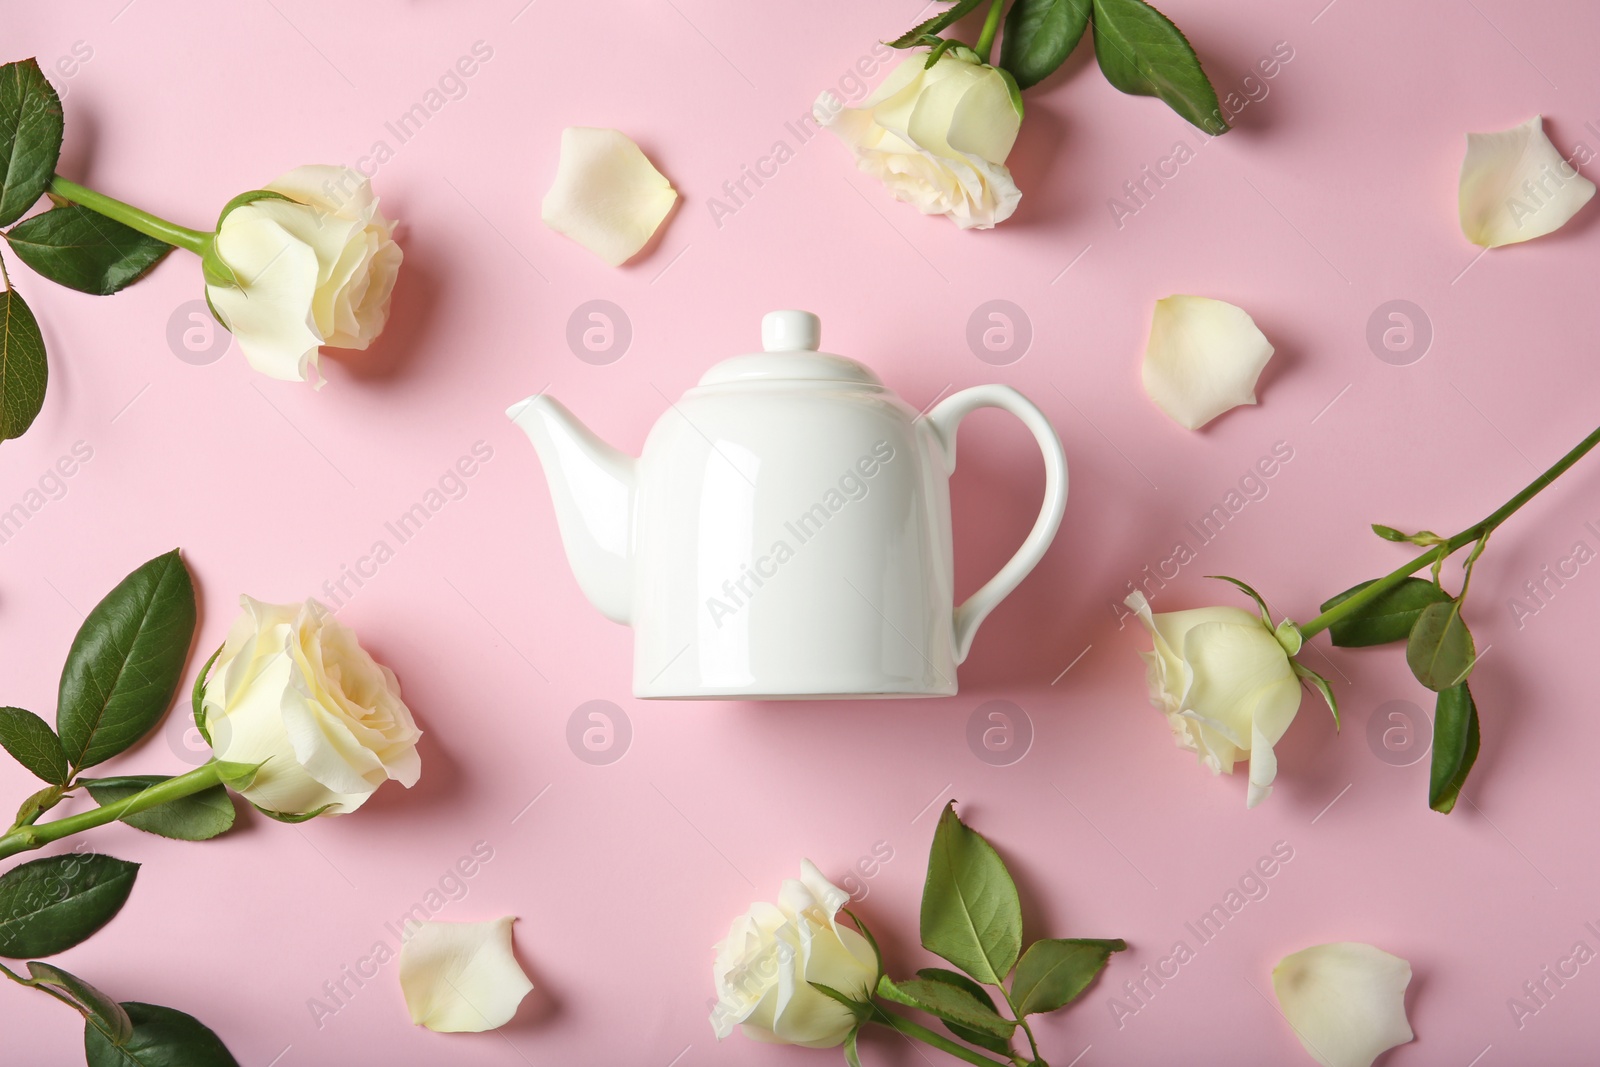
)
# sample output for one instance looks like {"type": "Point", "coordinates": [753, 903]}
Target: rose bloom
{"type": "Point", "coordinates": [937, 137]}
{"type": "Point", "coordinates": [293, 687]}
{"type": "Point", "coordinates": [316, 269]}
{"type": "Point", "coordinates": [771, 954]}
{"type": "Point", "coordinates": [1226, 685]}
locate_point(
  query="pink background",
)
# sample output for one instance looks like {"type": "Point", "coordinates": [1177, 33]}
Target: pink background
{"type": "Point", "coordinates": [1335, 195]}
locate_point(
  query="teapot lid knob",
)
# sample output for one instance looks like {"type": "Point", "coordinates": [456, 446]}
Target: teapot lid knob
{"type": "Point", "coordinates": [790, 331]}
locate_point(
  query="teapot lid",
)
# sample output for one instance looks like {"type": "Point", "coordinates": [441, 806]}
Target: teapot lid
{"type": "Point", "coordinates": [790, 339]}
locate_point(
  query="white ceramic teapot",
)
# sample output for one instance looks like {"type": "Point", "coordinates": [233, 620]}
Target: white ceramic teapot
{"type": "Point", "coordinates": [786, 533]}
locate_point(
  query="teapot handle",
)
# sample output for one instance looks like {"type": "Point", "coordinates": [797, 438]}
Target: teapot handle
{"type": "Point", "coordinates": [944, 419]}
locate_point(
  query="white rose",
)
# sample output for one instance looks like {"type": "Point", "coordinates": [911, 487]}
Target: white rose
{"type": "Point", "coordinates": [316, 269]}
{"type": "Point", "coordinates": [293, 687]}
{"type": "Point", "coordinates": [937, 137]}
{"type": "Point", "coordinates": [1226, 685]}
{"type": "Point", "coordinates": [772, 953]}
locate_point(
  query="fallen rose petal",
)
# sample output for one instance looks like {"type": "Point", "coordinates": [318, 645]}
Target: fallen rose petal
{"type": "Point", "coordinates": [461, 977]}
{"type": "Point", "coordinates": [1345, 1001]}
{"type": "Point", "coordinates": [1516, 186]}
{"type": "Point", "coordinates": [1204, 358]}
{"type": "Point", "coordinates": [607, 196]}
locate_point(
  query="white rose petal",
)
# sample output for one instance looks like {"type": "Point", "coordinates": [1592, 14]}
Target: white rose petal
{"type": "Point", "coordinates": [1203, 359]}
{"type": "Point", "coordinates": [270, 312]}
{"type": "Point", "coordinates": [294, 690]}
{"type": "Point", "coordinates": [765, 966]}
{"type": "Point", "coordinates": [461, 977]}
{"type": "Point", "coordinates": [1345, 1001]}
{"type": "Point", "coordinates": [317, 269]}
{"type": "Point", "coordinates": [607, 196]}
{"type": "Point", "coordinates": [1516, 186]}
{"type": "Point", "coordinates": [1225, 684]}
{"type": "Point", "coordinates": [937, 138]}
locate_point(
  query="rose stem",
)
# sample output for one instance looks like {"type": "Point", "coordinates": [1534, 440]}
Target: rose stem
{"type": "Point", "coordinates": [922, 1033]}
{"type": "Point", "coordinates": [1444, 550]}
{"type": "Point", "coordinates": [26, 838]}
{"type": "Point", "coordinates": [991, 26]}
{"type": "Point", "coordinates": [146, 223]}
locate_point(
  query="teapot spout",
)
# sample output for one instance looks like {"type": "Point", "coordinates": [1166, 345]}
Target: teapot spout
{"type": "Point", "coordinates": [592, 487]}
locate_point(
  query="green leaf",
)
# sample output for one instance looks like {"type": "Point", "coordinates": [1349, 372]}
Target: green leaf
{"type": "Point", "coordinates": [1054, 971]}
{"type": "Point", "coordinates": [23, 368]}
{"type": "Point", "coordinates": [1455, 746]}
{"type": "Point", "coordinates": [1040, 35]}
{"type": "Point", "coordinates": [1388, 617]}
{"type": "Point", "coordinates": [947, 1002]}
{"type": "Point", "coordinates": [970, 912]}
{"type": "Point", "coordinates": [960, 981]}
{"type": "Point", "coordinates": [970, 1036]}
{"type": "Point", "coordinates": [197, 817]}
{"type": "Point", "coordinates": [1323, 687]}
{"type": "Point", "coordinates": [84, 250]}
{"type": "Point", "coordinates": [99, 1010]}
{"type": "Point", "coordinates": [948, 17]}
{"type": "Point", "coordinates": [126, 662]}
{"type": "Point", "coordinates": [1440, 651]}
{"type": "Point", "coordinates": [1388, 533]}
{"type": "Point", "coordinates": [37, 804]}
{"type": "Point", "coordinates": [49, 905]}
{"type": "Point", "coordinates": [30, 137]}
{"type": "Point", "coordinates": [162, 1037]}
{"type": "Point", "coordinates": [1143, 53]}
{"type": "Point", "coordinates": [1260, 603]}
{"type": "Point", "coordinates": [33, 744]}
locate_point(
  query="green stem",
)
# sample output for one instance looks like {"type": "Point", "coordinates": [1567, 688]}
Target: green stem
{"type": "Point", "coordinates": [1438, 553]}
{"type": "Point", "coordinates": [26, 838]}
{"type": "Point", "coordinates": [991, 26]}
{"type": "Point", "coordinates": [922, 1033]}
{"type": "Point", "coordinates": [1022, 1022]}
{"type": "Point", "coordinates": [146, 223]}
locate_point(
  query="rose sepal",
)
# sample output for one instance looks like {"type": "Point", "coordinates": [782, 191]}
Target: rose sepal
{"type": "Point", "coordinates": [860, 1009]}
{"type": "Point", "coordinates": [237, 776]}
{"type": "Point", "coordinates": [291, 817]}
